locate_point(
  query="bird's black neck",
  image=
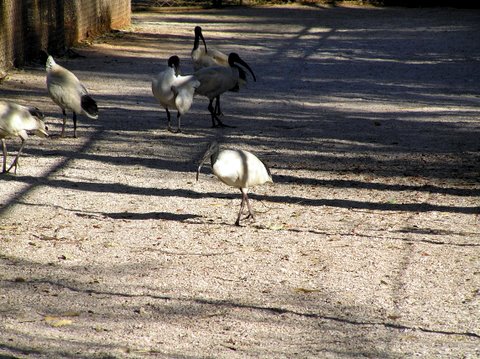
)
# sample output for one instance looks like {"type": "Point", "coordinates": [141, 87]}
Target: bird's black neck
{"type": "Point", "coordinates": [196, 42]}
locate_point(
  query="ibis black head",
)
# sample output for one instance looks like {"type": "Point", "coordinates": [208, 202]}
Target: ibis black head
{"type": "Point", "coordinates": [212, 152]}
{"type": "Point", "coordinates": [174, 62]}
{"type": "Point", "coordinates": [41, 129]}
{"type": "Point", "coordinates": [198, 36]}
{"type": "Point", "coordinates": [234, 58]}
{"type": "Point", "coordinates": [43, 56]}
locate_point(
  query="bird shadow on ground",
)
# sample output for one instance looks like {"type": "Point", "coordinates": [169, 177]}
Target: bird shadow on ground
{"type": "Point", "coordinates": [188, 193]}
{"type": "Point", "coordinates": [168, 216]}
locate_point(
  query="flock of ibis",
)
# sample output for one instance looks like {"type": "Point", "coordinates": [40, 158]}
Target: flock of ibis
{"type": "Point", "coordinates": [214, 74]}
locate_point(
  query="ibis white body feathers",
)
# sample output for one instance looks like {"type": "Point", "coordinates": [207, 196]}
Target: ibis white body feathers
{"type": "Point", "coordinates": [203, 57]}
{"type": "Point", "coordinates": [17, 121]}
{"type": "Point", "coordinates": [213, 57]}
{"type": "Point", "coordinates": [69, 93]}
{"type": "Point", "coordinates": [239, 169]}
{"type": "Point", "coordinates": [216, 80]}
{"type": "Point", "coordinates": [173, 90]}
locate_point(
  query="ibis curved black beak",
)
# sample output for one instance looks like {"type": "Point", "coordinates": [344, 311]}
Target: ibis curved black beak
{"type": "Point", "coordinates": [204, 159]}
{"type": "Point", "coordinates": [198, 170]}
{"type": "Point", "coordinates": [235, 58]}
{"type": "Point", "coordinates": [212, 148]}
{"type": "Point", "coordinates": [198, 36]}
{"type": "Point", "coordinates": [43, 56]}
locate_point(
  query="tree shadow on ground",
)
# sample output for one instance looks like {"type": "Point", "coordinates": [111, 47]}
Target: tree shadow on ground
{"type": "Point", "coordinates": [98, 306]}
{"type": "Point", "coordinates": [361, 69]}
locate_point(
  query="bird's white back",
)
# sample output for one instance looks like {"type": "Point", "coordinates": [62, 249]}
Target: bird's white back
{"type": "Point", "coordinates": [216, 80]}
{"type": "Point", "coordinates": [240, 169]}
{"type": "Point", "coordinates": [65, 88]}
{"type": "Point", "coordinates": [162, 87]}
{"type": "Point", "coordinates": [185, 87]}
{"type": "Point", "coordinates": [213, 57]}
{"type": "Point", "coordinates": [15, 120]}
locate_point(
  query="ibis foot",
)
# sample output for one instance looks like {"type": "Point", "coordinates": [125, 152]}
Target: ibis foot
{"type": "Point", "coordinates": [220, 124]}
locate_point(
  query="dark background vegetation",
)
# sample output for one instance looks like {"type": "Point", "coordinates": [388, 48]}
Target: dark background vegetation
{"type": "Point", "coordinates": [405, 3]}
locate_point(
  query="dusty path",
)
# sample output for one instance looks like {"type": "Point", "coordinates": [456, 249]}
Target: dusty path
{"type": "Point", "coordinates": [367, 245]}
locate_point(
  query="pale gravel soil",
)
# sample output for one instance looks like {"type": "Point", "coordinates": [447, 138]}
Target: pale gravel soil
{"type": "Point", "coordinates": [367, 245]}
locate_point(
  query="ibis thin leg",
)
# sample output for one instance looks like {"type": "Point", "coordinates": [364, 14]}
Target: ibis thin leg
{"type": "Point", "coordinates": [4, 148]}
{"type": "Point", "coordinates": [178, 123]}
{"type": "Point", "coordinates": [250, 211]}
{"type": "Point", "coordinates": [64, 123]}
{"type": "Point", "coordinates": [212, 113]}
{"type": "Point", "coordinates": [15, 161]}
{"type": "Point", "coordinates": [242, 205]}
{"type": "Point", "coordinates": [74, 125]}
{"type": "Point", "coordinates": [168, 119]}
{"type": "Point", "coordinates": [218, 111]}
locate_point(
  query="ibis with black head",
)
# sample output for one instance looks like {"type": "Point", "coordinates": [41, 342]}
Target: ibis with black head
{"type": "Point", "coordinates": [216, 80]}
{"type": "Point", "coordinates": [66, 90]}
{"type": "Point", "coordinates": [239, 169]}
{"type": "Point", "coordinates": [173, 90]}
{"type": "Point", "coordinates": [203, 57]}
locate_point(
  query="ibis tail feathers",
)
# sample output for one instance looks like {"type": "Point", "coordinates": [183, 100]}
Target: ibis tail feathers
{"type": "Point", "coordinates": [89, 106]}
{"type": "Point", "coordinates": [268, 171]}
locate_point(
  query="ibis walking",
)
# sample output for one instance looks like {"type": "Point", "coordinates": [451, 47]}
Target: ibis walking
{"type": "Point", "coordinates": [237, 168]}
{"type": "Point", "coordinates": [203, 57]}
{"type": "Point", "coordinates": [16, 121]}
{"type": "Point", "coordinates": [69, 93]}
{"type": "Point", "coordinates": [216, 80]}
{"type": "Point", "coordinates": [173, 90]}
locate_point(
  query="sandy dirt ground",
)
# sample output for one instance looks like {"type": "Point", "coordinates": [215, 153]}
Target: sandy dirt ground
{"type": "Point", "coordinates": [366, 245]}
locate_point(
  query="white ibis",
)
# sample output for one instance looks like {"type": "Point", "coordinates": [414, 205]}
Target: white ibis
{"type": "Point", "coordinates": [216, 80]}
{"type": "Point", "coordinates": [69, 94]}
{"type": "Point", "coordinates": [15, 121]}
{"type": "Point", "coordinates": [202, 57]}
{"type": "Point", "coordinates": [173, 90]}
{"type": "Point", "coordinates": [239, 169]}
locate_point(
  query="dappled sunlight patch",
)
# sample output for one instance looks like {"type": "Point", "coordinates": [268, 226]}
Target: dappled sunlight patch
{"type": "Point", "coordinates": [366, 244]}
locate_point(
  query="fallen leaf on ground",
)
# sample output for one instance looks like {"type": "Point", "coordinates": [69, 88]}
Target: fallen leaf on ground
{"type": "Point", "coordinates": [276, 227]}
{"type": "Point", "coordinates": [48, 238]}
{"type": "Point", "coordinates": [306, 290]}
{"type": "Point", "coordinates": [71, 314]}
{"type": "Point", "coordinates": [57, 322]}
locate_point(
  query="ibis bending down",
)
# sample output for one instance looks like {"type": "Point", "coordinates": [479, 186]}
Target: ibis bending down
{"type": "Point", "coordinates": [239, 169]}
{"type": "Point", "coordinates": [173, 90]}
{"type": "Point", "coordinates": [69, 94]}
{"type": "Point", "coordinates": [216, 80]}
{"type": "Point", "coordinates": [16, 120]}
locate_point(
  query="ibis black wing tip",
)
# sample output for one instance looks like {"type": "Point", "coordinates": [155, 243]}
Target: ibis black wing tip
{"type": "Point", "coordinates": [89, 105]}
